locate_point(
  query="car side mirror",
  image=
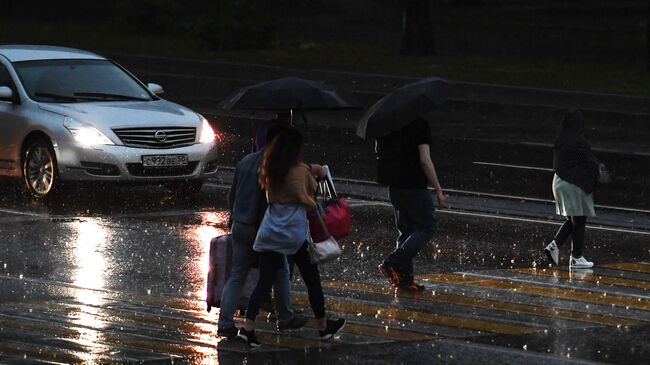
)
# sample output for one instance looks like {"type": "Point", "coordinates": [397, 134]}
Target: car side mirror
{"type": "Point", "coordinates": [6, 94]}
{"type": "Point", "coordinates": [155, 88]}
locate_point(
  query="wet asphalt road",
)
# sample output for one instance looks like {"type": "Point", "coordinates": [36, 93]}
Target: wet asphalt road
{"type": "Point", "coordinates": [117, 275]}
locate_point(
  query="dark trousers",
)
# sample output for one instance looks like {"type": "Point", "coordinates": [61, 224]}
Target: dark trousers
{"type": "Point", "coordinates": [574, 227]}
{"type": "Point", "coordinates": [415, 220]}
{"type": "Point", "coordinates": [311, 276]}
{"type": "Point", "coordinates": [269, 264]}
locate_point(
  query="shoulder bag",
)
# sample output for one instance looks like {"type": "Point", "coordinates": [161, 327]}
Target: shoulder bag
{"type": "Point", "coordinates": [325, 250]}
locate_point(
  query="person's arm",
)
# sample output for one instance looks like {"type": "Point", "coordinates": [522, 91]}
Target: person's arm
{"type": "Point", "coordinates": [317, 170]}
{"type": "Point", "coordinates": [231, 196]}
{"type": "Point", "coordinates": [430, 172]}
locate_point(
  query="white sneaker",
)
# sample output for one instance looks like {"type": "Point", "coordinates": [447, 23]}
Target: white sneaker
{"type": "Point", "coordinates": [552, 253]}
{"type": "Point", "coordinates": [580, 263]}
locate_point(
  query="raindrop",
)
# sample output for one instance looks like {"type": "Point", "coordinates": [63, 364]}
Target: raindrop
{"type": "Point", "coordinates": [358, 314]}
{"type": "Point", "coordinates": [525, 347]}
{"type": "Point", "coordinates": [20, 276]}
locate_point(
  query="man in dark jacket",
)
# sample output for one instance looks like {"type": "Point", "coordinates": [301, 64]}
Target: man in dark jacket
{"type": "Point", "coordinates": [404, 164]}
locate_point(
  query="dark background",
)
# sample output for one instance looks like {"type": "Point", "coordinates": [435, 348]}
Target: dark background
{"type": "Point", "coordinates": [597, 45]}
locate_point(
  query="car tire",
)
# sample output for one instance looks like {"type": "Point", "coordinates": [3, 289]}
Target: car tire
{"type": "Point", "coordinates": [40, 170]}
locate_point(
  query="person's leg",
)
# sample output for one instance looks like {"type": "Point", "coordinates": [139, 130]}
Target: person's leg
{"type": "Point", "coordinates": [564, 232]}
{"type": "Point", "coordinates": [417, 209]}
{"type": "Point", "coordinates": [311, 276]}
{"type": "Point", "coordinates": [242, 259]}
{"type": "Point", "coordinates": [270, 264]}
{"type": "Point", "coordinates": [402, 224]}
{"type": "Point", "coordinates": [282, 294]}
{"type": "Point", "coordinates": [578, 236]}
{"type": "Point", "coordinates": [327, 328]}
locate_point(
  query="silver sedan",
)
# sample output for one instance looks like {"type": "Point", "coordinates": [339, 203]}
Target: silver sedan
{"type": "Point", "coordinates": [72, 115]}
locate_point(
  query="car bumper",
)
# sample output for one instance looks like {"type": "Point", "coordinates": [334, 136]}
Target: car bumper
{"type": "Point", "coordinates": [124, 164]}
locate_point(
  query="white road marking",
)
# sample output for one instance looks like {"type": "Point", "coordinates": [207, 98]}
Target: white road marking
{"type": "Point", "coordinates": [364, 203]}
{"type": "Point", "coordinates": [511, 166]}
{"type": "Point", "coordinates": [18, 212]}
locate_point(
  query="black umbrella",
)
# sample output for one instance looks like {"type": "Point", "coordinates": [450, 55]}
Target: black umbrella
{"type": "Point", "coordinates": [290, 93]}
{"type": "Point", "coordinates": [400, 107]}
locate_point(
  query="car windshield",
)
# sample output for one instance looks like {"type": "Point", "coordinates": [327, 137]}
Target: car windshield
{"type": "Point", "coordinates": [73, 80]}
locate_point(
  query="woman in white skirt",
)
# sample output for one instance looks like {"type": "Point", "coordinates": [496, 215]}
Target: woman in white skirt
{"type": "Point", "coordinates": [576, 174]}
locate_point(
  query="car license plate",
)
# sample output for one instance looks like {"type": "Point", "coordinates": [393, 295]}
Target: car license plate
{"type": "Point", "coordinates": [164, 160]}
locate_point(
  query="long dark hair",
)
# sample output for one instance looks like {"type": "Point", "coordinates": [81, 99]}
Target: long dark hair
{"type": "Point", "coordinates": [571, 130]}
{"type": "Point", "coordinates": [281, 153]}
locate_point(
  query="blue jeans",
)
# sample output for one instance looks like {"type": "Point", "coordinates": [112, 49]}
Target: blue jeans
{"type": "Point", "coordinates": [416, 223]}
{"type": "Point", "coordinates": [243, 258]}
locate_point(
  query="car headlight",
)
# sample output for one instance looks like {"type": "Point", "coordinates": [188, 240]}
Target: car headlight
{"type": "Point", "coordinates": [207, 133]}
{"type": "Point", "coordinates": [84, 133]}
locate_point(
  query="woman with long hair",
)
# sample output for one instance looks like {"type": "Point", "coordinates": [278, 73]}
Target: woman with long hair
{"type": "Point", "coordinates": [290, 190]}
{"type": "Point", "coordinates": [576, 173]}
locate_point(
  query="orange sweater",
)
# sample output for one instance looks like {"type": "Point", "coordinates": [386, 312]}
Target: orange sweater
{"type": "Point", "coordinates": [299, 186]}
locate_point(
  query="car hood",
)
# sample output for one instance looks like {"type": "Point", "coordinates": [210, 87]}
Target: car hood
{"type": "Point", "coordinates": [109, 115]}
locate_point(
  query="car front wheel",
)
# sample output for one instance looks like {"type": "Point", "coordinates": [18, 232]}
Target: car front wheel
{"type": "Point", "coordinates": [39, 168]}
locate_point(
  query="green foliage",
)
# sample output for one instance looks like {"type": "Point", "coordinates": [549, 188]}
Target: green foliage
{"type": "Point", "coordinates": [219, 24]}
{"type": "Point", "coordinates": [150, 16]}
{"type": "Point", "coordinates": [236, 24]}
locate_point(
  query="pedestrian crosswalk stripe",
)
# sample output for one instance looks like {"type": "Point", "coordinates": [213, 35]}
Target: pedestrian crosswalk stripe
{"type": "Point", "coordinates": [278, 340]}
{"type": "Point", "coordinates": [588, 277]}
{"type": "Point", "coordinates": [474, 279]}
{"type": "Point", "coordinates": [488, 304]}
{"type": "Point", "coordinates": [629, 266]}
{"type": "Point", "coordinates": [387, 333]}
{"type": "Point", "coordinates": [190, 344]}
{"type": "Point", "coordinates": [29, 352]}
{"type": "Point", "coordinates": [102, 316]}
{"type": "Point", "coordinates": [424, 317]}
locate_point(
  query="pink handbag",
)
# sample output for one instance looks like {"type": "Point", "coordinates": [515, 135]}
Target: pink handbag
{"type": "Point", "coordinates": [334, 209]}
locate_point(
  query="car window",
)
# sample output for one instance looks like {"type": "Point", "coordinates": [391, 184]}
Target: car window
{"type": "Point", "coordinates": [78, 81]}
{"type": "Point", "coordinates": [5, 78]}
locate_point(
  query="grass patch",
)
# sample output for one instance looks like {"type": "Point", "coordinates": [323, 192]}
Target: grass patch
{"type": "Point", "coordinates": [610, 75]}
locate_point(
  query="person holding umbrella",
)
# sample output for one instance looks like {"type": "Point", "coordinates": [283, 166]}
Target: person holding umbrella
{"type": "Point", "coordinates": [290, 190]}
{"type": "Point", "coordinates": [405, 165]}
{"type": "Point", "coordinates": [403, 143]}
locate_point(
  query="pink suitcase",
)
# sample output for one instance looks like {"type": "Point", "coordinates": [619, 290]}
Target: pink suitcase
{"type": "Point", "coordinates": [219, 270]}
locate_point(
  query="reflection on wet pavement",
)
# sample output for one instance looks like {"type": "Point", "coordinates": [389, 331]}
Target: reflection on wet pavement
{"type": "Point", "coordinates": [76, 324]}
{"type": "Point", "coordinates": [128, 285]}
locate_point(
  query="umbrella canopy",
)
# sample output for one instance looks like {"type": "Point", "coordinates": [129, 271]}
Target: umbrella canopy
{"type": "Point", "coordinates": [290, 93]}
{"type": "Point", "coordinates": [400, 107]}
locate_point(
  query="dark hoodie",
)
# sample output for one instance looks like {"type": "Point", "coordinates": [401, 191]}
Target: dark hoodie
{"type": "Point", "coordinates": [573, 160]}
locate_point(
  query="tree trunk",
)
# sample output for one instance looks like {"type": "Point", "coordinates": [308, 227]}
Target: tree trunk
{"type": "Point", "coordinates": [417, 28]}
